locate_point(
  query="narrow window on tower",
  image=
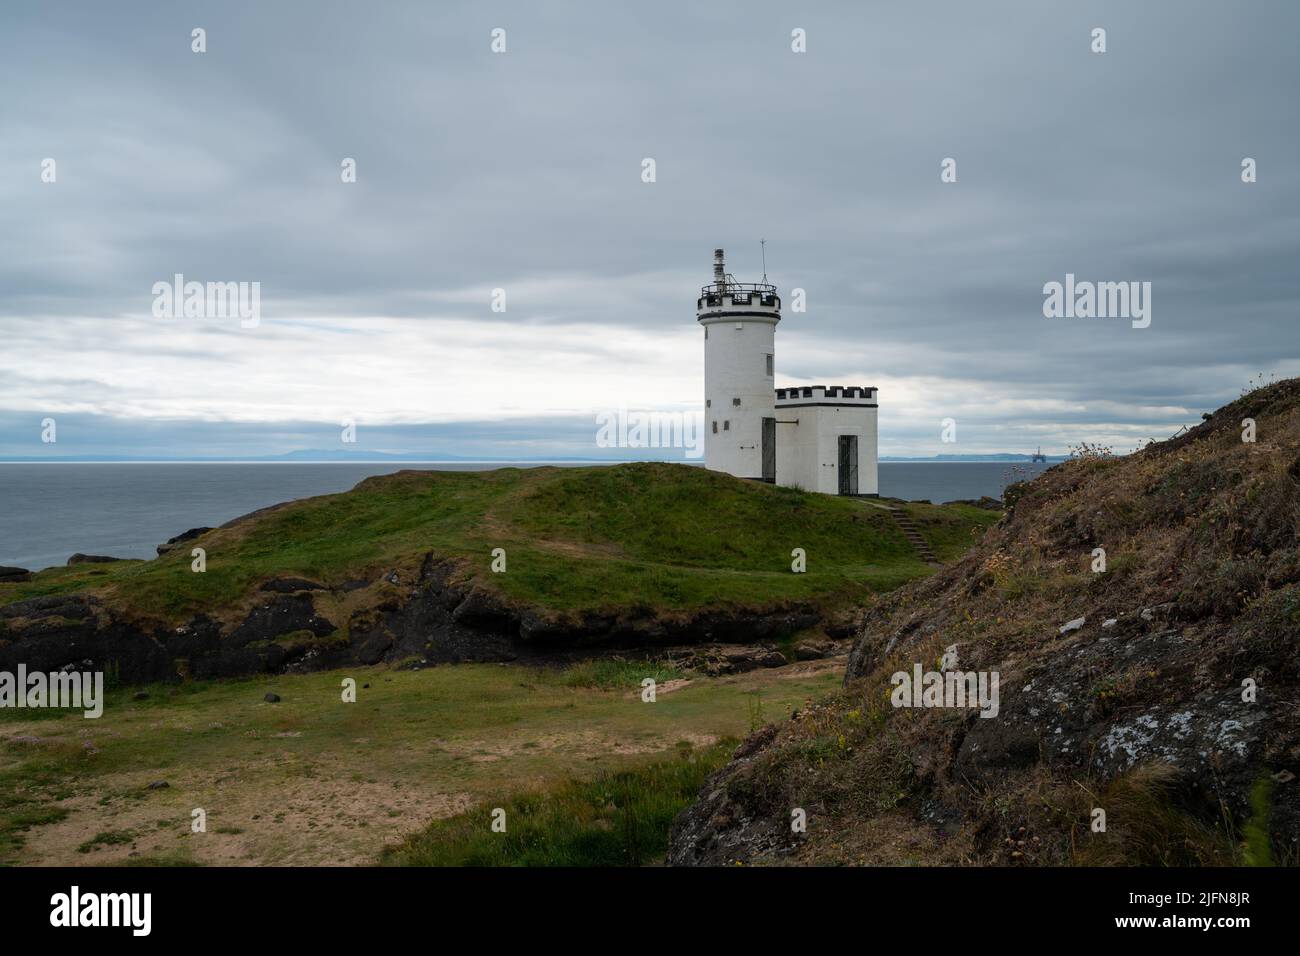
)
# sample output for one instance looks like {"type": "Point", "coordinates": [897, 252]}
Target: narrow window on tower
{"type": "Point", "coordinates": [708, 403]}
{"type": "Point", "coordinates": [769, 364]}
{"type": "Point", "coordinates": [715, 428]}
{"type": "Point", "coordinates": [735, 402]}
{"type": "Point", "coordinates": [726, 426]}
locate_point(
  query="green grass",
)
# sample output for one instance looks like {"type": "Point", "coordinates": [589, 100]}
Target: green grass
{"type": "Point", "coordinates": [17, 818]}
{"type": "Point", "coordinates": [106, 838]}
{"type": "Point", "coordinates": [613, 675]}
{"type": "Point", "coordinates": [1257, 845]}
{"type": "Point", "coordinates": [648, 535]}
{"type": "Point", "coordinates": [617, 819]}
{"type": "Point", "coordinates": [646, 538]}
{"type": "Point", "coordinates": [312, 780]}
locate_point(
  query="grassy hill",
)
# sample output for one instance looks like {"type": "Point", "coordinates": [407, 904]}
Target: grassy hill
{"type": "Point", "coordinates": [659, 536]}
{"type": "Point", "coordinates": [589, 773]}
{"type": "Point", "coordinates": [1168, 702]}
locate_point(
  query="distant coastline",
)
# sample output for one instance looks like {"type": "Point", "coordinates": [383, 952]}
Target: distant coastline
{"type": "Point", "coordinates": [376, 458]}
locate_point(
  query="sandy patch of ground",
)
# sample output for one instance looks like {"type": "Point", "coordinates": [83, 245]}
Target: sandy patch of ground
{"type": "Point", "coordinates": [667, 687]}
{"type": "Point", "coordinates": [290, 790]}
{"type": "Point", "coordinates": [254, 816]}
{"type": "Point", "coordinates": [801, 669]}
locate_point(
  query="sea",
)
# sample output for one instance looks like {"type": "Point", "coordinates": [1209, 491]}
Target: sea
{"type": "Point", "coordinates": [51, 510]}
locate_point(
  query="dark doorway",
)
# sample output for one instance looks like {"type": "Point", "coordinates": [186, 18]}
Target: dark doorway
{"type": "Point", "coordinates": [848, 464]}
{"type": "Point", "coordinates": [769, 450]}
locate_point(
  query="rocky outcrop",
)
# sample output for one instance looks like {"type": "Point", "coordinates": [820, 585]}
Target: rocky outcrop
{"type": "Point", "coordinates": [172, 543]}
{"type": "Point", "coordinates": [721, 827]}
{"type": "Point", "coordinates": [431, 617]}
{"type": "Point", "coordinates": [80, 558]}
{"type": "Point", "coordinates": [10, 575]}
{"type": "Point", "coordinates": [1141, 615]}
{"type": "Point", "coordinates": [49, 633]}
{"type": "Point", "coordinates": [291, 585]}
{"type": "Point", "coordinates": [716, 660]}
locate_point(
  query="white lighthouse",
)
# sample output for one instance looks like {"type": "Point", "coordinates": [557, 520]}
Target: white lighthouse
{"type": "Point", "coordinates": [739, 401]}
{"type": "Point", "coordinates": [825, 437]}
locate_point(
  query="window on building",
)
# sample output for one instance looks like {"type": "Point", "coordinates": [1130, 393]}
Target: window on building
{"type": "Point", "coordinates": [735, 402]}
{"type": "Point", "coordinates": [769, 365]}
{"type": "Point", "coordinates": [708, 403]}
{"type": "Point", "coordinates": [715, 428]}
{"type": "Point", "coordinates": [726, 426]}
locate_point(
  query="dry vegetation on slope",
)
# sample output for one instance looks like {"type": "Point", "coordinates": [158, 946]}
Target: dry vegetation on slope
{"type": "Point", "coordinates": [1139, 712]}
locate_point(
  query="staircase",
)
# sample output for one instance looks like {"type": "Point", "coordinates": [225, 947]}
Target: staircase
{"type": "Point", "coordinates": [913, 536]}
{"type": "Point", "coordinates": [909, 529]}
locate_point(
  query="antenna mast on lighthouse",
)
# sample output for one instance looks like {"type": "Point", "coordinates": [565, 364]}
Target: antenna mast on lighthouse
{"type": "Point", "coordinates": [763, 245]}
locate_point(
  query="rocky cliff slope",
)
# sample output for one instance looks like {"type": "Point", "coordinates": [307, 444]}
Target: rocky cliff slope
{"type": "Point", "coordinates": [1142, 615]}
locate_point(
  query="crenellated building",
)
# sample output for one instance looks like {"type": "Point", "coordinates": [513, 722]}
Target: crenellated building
{"type": "Point", "coordinates": [819, 437]}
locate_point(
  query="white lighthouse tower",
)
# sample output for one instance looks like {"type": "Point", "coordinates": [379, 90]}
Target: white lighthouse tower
{"type": "Point", "coordinates": [827, 432]}
{"type": "Point", "coordinates": [739, 322]}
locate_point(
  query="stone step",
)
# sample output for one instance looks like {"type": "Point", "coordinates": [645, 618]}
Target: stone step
{"type": "Point", "coordinates": [914, 536]}
{"type": "Point", "coordinates": [910, 531]}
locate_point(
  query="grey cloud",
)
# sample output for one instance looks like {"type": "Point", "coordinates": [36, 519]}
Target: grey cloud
{"type": "Point", "coordinates": [522, 171]}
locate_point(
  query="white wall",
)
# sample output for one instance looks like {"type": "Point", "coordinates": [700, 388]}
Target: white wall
{"type": "Point", "coordinates": [735, 366]}
{"type": "Point", "coordinates": [808, 453]}
{"type": "Point", "coordinates": [796, 448]}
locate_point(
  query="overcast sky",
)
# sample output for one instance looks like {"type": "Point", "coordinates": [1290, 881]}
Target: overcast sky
{"type": "Point", "coordinates": [523, 171]}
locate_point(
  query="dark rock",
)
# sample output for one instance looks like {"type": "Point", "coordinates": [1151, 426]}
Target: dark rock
{"type": "Point", "coordinates": [534, 626]}
{"type": "Point", "coordinates": [140, 695]}
{"type": "Point", "coordinates": [69, 606]}
{"type": "Point", "coordinates": [482, 609]}
{"type": "Point", "coordinates": [10, 575]}
{"type": "Point", "coordinates": [181, 538]}
{"type": "Point", "coordinates": [158, 785]}
{"type": "Point", "coordinates": [371, 650]}
{"type": "Point", "coordinates": [272, 698]}
{"type": "Point", "coordinates": [741, 659]}
{"type": "Point", "coordinates": [1214, 738]}
{"type": "Point", "coordinates": [284, 615]}
{"type": "Point", "coordinates": [80, 558]}
{"type": "Point", "coordinates": [722, 827]}
{"type": "Point", "coordinates": [290, 585]}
